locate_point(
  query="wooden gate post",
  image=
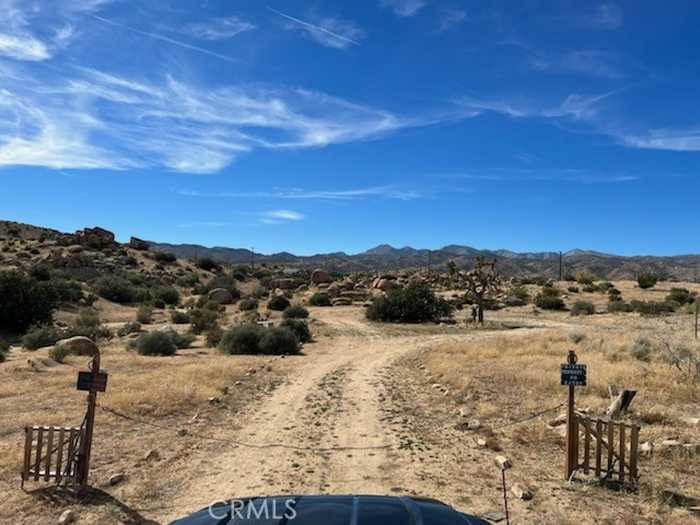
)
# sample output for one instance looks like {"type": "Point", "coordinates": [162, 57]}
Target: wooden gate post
{"type": "Point", "coordinates": [572, 375]}
{"type": "Point", "coordinates": [86, 443]}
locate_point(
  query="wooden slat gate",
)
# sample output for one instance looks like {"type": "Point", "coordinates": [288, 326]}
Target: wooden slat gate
{"type": "Point", "coordinates": [52, 454]}
{"type": "Point", "coordinates": [608, 449]}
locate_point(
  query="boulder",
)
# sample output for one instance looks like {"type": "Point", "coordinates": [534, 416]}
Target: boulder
{"type": "Point", "coordinates": [521, 492]}
{"type": "Point", "coordinates": [78, 345]}
{"type": "Point", "coordinates": [320, 277]}
{"type": "Point", "coordinates": [97, 238]}
{"type": "Point", "coordinates": [341, 301]}
{"type": "Point", "coordinates": [67, 517]}
{"type": "Point", "coordinates": [221, 296]}
{"type": "Point", "coordinates": [286, 284]}
{"type": "Point", "coordinates": [116, 479]}
{"type": "Point", "coordinates": [138, 244]}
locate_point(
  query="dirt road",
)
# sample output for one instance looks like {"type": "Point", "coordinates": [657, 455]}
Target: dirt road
{"type": "Point", "coordinates": [333, 427]}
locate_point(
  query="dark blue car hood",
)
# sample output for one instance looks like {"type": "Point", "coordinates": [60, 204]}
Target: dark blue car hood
{"type": "Point", "coordinates": [330, 510]}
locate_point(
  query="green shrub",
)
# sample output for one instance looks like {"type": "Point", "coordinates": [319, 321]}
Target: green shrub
{"type": "Point", "coordinates": [66, 290]}
{"type": "Point", "coordinates": [167, 294]}
{"type": "Point", "coordinates": [132, 327]}
{"type": "Point", "coordinates": [179, 317]}
{"type": "Point", "coordinates": [583, 308]}
{"type": "Point", "coordinates": [144, 314]}
{"type": "Point", "coordinates": [164, 257]}
{"type": "Point", "coordinates": [279, 341]}
{"type": "Point", "coordinates": [4, 350]}
{"type": "Point", "coordinates": [614, 294]}
{"type": "Point", "coordinates": [206, 263]}
{"type": "Point", "coordinates": [116, 289]}
{"type": "Point", "coordinates": [647, 280]}
{"type": "Point", "coordinates": [652, 307]}
{"type": "Point", "coordinates": [642, 349]}
{"type": "Point", "coordinates": [58, 353]}
{"type": "Point", "coordinates": [180, 340]}
{"type": "Point", "coordinates": [585, 278]}
{"type": "Point", "coordinates": [40, 272]}
{"type": "Point", "coordinates": [573, 289]}
{"type": "Point", "coordinates": [295, 312]}
{"type": "Point", "coordinates": [681, 296]}
{"type": "Point", "coordinates": [591, 288]}
{"type": "Point", "coordinates": [25, 301]}
{"type": "Point", "coordinates": [299, 328]}
{"type": "Point", "coordinates": [416, 303]}
{"type": "Point", "coordinates": [88, 324]}
{"type": "Point", "coordinates": [203, 319]}
{"type": "Point", "coordinates": [520, 292]}
{"type": "Point", "coordinates": [214, 336]}
{"type": "Point", "coordinates": [320, 299]}
{"type": "Point", "coordinates": [40, 336]}
{"type": "Point", "coordinates": [248, 304]}
{"type": "Point", "coordinates": [605, 286]}
{"type": "Point", "coordinates": [549, 302]}
{"type": "Point", "coordinates": [620, 306]}
{"type": "Point", "coordinates": [155, 343]}
{"type": "Point", "coordinates": [278, 303]}
{"type": "Point", "coordinates": [242, 339]}
{"type": "Point", "coordinates": [259, 292]}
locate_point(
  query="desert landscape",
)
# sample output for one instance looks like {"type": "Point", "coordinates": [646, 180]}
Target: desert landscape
{"type": "Point", "coordinates": [217, 404]}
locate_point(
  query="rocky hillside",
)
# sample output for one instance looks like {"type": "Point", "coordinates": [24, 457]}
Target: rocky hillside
{"type": "Point", "coordinates": [387, 258]}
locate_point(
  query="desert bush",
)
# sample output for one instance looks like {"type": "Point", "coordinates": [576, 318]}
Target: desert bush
{"type": "Point", "coordinates": [279, 341]}
{"type": "Point", "coordinates": [549, 302]}
{"type": "Point", "coordinates": [585, 278]}
{"type": "Point", "coordinates": [40, 272]}
{"type": "Point", "coordinates": [642, 349]}
{"type": "Point", "coordinates": [40, 336]}
{"type": "Point", "coordinates": [520, 292]}
{"type": "Point", "coordinates": [4, 350]}
{"type": "Point", "coordinates": [259, 292]}
{"type": "Point", "coordinates": [619, 306]}
{"type": "Point", "coordinates": [549, 290]}
{"type": "Point", "coordinates": [248, 304]}
{"type": "Point", "coordinates": [320, 299]}
{"type": "Point", "coordinates": [614, 294]}
{"type": "Point", "coordinates": [278, 303]}
{"type": "Point", "coordinates": [144, 314]}
{"type": "Point", "coordinates": [652, 307]}
{"type": "Point", "coordinates": [164, 257]}
{"type": "Point", "coordinates": [583, 308]}
{"type": "Point", "coordinates": [573, 289]}
{"type": "Point", "coordinates": [242, 339]}
{"type": "Point", "coordinates": [207, 264]}
{"type": "Point", "coordinates": [132, 327]}
{"type": "Point", "coordinates": [116, 289]}
{"type": "Point", "coordinates": [179, 317]}
{"type": "Point", "coordinates": [414, 304]}
{"type": "Point", "coordinates": [203, 319]}
{"type": "Point", "coordinates": [577, 337]}
{"type": "Point", "coordinates": [590, 288]}
{"type": "Point", "coordinates": [178, 339]}
{"type": "Point", "coordinates": [605, 286]}
{"type": "Point", "coordinates": [24, 301]}
{"type": "Point", "coordinates": [295, 311]}
{"type": "Point", "coordinates": [67, 290]}
{"type": "Point", "coordinates": [155, 343]}
{"type": "Point", "coordinates": [167, 294]}
{"type": "Point", "coordinates": [214, 335]}
{"type": "Point", "coordinates": [569, 277]}
{"type": "Point", "coordinates": [681, 296]}
{"type": "Point", "coordinates": [298, 327]}
{"type": "Point", "coordinates": [647, 280]}
{"type": "Point", "coordinates": [58, 353]}
{"type": "Point", "coordinates": [88, 324]}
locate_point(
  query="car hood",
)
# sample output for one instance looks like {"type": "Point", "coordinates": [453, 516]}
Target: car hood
{"type": "Point", "coordinates": [330, 510]}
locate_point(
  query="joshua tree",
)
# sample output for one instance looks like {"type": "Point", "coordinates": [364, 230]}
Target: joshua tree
{"type": "Point", "coordinates": [451, 270]}
{"type": "Point", "coordinates": [483, 284]}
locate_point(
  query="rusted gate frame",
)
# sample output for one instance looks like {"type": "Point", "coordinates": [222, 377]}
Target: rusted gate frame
{"type": "Point", "coordinates": [593, 430]}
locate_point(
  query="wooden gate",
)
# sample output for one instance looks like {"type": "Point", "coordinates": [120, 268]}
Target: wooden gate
{"type": "Point", "coordinates": [607, 448]}
{"type": "Point", "coordinates": [52, 454]}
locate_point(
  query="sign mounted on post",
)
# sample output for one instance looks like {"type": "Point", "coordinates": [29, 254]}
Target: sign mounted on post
{"type": "Point", "coordinates": [92, 382]}
{"type": "Point", "coordinates": [573, 374]}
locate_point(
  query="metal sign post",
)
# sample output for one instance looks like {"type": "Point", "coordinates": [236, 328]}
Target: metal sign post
{"type": "Point", "coordinates": [572, 375]}
{"type": "Point", "coordinates": [92, 382]}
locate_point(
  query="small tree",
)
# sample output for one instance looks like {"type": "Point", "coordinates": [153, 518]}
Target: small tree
{"type": "Point", "coordinates": [483, 285]}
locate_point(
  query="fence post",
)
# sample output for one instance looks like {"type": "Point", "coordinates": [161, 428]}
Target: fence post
{"type": "Point", "coordinates": [571, 427]}
{"type": "Point", "coordinates": [86, 442]}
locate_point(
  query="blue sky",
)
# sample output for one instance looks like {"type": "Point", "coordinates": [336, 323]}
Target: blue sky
{"type": "Point", "coordinates": [317, 126]}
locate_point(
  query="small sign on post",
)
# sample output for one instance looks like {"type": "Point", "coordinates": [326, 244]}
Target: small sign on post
{"type": "Point", "coordinates": [572, 375]}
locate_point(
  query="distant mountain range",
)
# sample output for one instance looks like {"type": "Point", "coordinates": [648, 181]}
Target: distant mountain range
{"type": "Point", "coordinates": [388, 258]}
{"type": "Point", "coordinates": [385, 258]}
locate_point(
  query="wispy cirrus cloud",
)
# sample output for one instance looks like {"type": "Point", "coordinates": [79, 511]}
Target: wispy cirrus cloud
{"type": "Point", "coordinates": [386, 192]}
{"type": "Point", "coordinates": [574, 175]}
{"type": "Point", "coordinates": [91, 119]}
{"type": "Point", "coordinates": [404, 8]}
{"type": "Point", "coordinates": [671, 139]}
{"type": "Point", "coordinates": [450, 17]}
{"type": "Point", "coordinates": [603, 17]}
{"type": "Point", "coordinates": [33, 31]}
{"type": "Point", "coordinates": [218, 28]}
{"type": "Point", "coordinates": [327, 31]}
